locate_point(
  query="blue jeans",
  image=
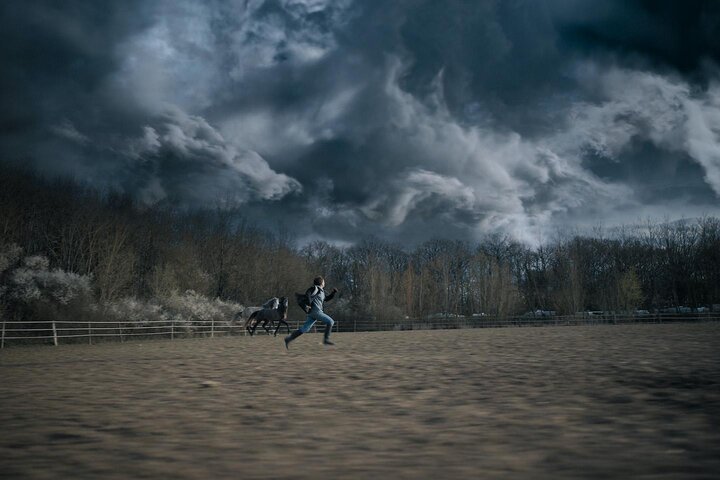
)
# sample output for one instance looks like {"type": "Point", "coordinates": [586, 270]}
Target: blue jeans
{"type": "Point", "coordinates": [313, 317]}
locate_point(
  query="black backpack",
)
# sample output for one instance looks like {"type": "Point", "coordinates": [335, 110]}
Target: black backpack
{"type": "Point", "coordinates": [302, 301]}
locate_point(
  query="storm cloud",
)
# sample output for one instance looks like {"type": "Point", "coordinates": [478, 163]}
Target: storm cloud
{"type": "Point", "coordinates": [405, 120]}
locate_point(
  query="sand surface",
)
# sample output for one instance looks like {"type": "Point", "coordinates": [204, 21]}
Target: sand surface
{"type": "Point", "coordinates": [638, 401]}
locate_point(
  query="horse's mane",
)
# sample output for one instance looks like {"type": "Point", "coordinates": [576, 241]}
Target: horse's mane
{"type": "Point", "coordinates": [272, 303]}
{"type": "Point", "coordinates": [283, 307]}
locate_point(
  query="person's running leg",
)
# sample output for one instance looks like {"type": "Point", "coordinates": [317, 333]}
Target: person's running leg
{"type": "Point", "coordinates": [329, 322]}
{"type": "Point", "coordinates": [309, 322]}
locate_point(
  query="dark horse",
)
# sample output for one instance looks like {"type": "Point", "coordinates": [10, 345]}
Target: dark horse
{"type": "Point", "coordinates": [271, 316]}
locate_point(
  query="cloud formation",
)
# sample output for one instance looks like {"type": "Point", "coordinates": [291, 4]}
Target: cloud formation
{"type": "Point", "coordinates": [405, 121]}
{"type": "Point", "coordinates": [183, 155]}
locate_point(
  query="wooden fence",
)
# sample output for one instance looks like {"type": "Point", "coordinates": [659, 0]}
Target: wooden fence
{"type": "Point", "coordinates": [456, 322]}
{"type": "Point", "coordinates": [69, 331]}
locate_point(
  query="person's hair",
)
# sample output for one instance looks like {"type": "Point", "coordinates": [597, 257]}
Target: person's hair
{"type": "Point", "coordinates": [318, 280]}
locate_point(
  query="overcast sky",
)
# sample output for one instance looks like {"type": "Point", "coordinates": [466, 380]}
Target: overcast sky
{"type": "Point", "coordinates": [401, 119]}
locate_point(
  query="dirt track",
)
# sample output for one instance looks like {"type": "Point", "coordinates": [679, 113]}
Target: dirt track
{"type": "Point", "coordinates": [592, 402]}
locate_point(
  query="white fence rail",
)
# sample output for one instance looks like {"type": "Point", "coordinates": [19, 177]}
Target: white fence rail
{"type": "Point", "coordinates": [70, 331]}
{"type": "Point", "coordinates": [524, 321]}
{"type": "Point", "coordinates": [53, 331]}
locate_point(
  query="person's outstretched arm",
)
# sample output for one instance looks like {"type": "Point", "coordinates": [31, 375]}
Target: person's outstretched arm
{"type": "Point", "coordinates": [332, 294]}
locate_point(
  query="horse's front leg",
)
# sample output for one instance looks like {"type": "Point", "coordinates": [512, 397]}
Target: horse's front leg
{"type": "Point", "coordinates": [265, 327]}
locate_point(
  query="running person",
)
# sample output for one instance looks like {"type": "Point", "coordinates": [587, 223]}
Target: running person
{"type": "Point", "coordinates": [316, 296]}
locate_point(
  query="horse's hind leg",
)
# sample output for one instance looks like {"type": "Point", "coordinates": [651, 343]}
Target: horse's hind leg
{"type": "Point", "coordinates": [250, 323]}
{"type": "Point", "coordinates": [257, 324]}
{"type": "Point", "coordinates": [265, 327]}
{"type": "Point", "coordinates": [252, 328]}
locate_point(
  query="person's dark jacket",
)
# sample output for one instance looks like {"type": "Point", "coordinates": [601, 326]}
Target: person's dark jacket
{"type": "Point", "coordinates": [316, 296]}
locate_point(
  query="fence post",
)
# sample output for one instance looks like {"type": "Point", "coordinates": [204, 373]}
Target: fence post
{"type": "Point", "coordinates": [90, 333]}
{"type": "Point", "coordinates": [54, 329]}
{"type": "Point", "coordinates": [172, 329]}
{"type": "Point", "coordinates": [2, 342]}
{"type": "Point", "coordinates": [212, 328]}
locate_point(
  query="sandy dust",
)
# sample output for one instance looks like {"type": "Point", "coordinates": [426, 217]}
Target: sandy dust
{"type": "Point", "coordinates": [639, 401]}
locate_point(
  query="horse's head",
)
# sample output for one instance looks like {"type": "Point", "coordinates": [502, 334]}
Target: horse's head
{"type": "Point", "coordinates": [283, 307]}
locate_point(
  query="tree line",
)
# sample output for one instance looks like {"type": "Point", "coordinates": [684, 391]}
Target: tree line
{"type": "Point", "coordinates": [126, 250]}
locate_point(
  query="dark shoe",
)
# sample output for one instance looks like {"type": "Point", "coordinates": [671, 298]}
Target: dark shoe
{"type": "Point", "coordinates": [326, 337]}
{"type": "Point", "coordinates": [292, 337]}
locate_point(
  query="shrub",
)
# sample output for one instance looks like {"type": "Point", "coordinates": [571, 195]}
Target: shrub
{"type": "Point", "coordinates": [189, 312]}
{"type": "Point", "coordinates": [28, 283]}
{"type": "Point", "coordinates": [192, 309]}
{"type": "Point", "coordinates": [34, 281]}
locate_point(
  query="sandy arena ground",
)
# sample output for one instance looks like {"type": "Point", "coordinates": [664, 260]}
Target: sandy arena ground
{"type": "Point", "coordinates": [638, 401]}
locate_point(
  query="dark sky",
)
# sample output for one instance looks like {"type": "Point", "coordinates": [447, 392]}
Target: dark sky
{"type": "Point", "coordinates": [405, 120]}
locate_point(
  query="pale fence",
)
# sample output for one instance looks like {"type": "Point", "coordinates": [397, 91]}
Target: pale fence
{"type": "Point", "coordinates": [69, 331]}
{"type": "Point", "coordinates": [40, 331]}
{"type": "Point", "coordinates": [456, 322]}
